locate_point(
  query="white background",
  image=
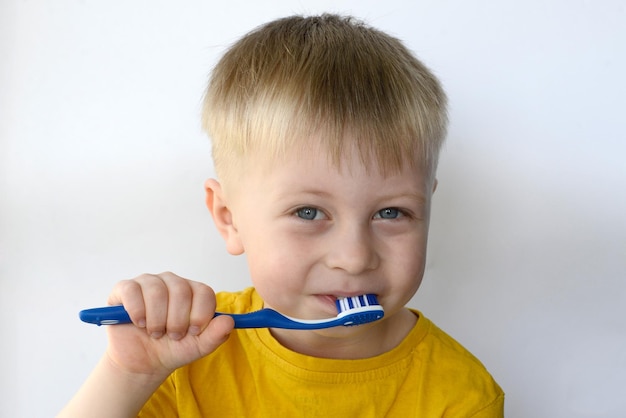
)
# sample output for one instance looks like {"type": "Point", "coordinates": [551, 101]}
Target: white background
{"type": "Point", "coordinates": [102, 163]}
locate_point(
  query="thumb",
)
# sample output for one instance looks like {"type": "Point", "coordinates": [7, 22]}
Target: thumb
{"type": "Point", "coordinates": [215, 334]}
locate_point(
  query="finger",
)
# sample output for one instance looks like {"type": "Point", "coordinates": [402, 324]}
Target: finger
{"type": "Point", "coordinates": [129, 294]}
{"type": "Point", "coordinates": [215, 334]}
{"type": "Point", "coordinates": [202, 307]}
{"type": "Point", "coordinates": [155, 296]}
{"type": "Point", "coordinates": [179, 305]}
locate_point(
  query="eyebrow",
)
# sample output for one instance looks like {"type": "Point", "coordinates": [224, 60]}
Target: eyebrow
{"type": "Point", "coordinates": [314, 192]}
{"type": "Point", "coordinates": [418, 197]}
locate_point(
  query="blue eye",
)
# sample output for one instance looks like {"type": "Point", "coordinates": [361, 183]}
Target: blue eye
{"type": "Point", "coordinates": [388, 213]}
{"type": "Point", "coordinates": [307, 213]}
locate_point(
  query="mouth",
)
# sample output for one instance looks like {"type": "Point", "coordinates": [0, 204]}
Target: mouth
{"type": "Point", "coordinates": [330, 300]}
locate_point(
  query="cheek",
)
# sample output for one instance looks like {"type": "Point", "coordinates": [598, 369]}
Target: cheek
{"type": "Point", "coordinates": [278, 278]}
{"type": "Point", "coordinates": [274, 264]}
{"type": "Point", "coordinates": [407, 259]}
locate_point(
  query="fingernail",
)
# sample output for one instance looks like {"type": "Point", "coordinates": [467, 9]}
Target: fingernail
{"type": "Point", "coordinates": [193, 330]}
{"type": "Point", "coordinates": [156, 335]}
{"type": "Point", "coordinates": [175, 336]}
{"type": "Point", "coordinates": [141, 323]}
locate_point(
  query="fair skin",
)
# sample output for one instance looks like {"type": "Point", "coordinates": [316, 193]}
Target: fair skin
{"type": "Point", "coordinates": [312, 232]}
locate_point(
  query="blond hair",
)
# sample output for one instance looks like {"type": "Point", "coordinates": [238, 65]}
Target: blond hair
{"type": "Point", "coordinates": [328, 77]}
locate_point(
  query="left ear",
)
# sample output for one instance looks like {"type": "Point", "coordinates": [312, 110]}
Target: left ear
{"type": "Point", "coordinates": [222, 216]}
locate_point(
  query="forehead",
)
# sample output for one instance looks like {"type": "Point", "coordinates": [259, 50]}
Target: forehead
{"type": "Point", "coordinates": [315, 157]}
{"type": "Point", "coordinates": [348, 152]}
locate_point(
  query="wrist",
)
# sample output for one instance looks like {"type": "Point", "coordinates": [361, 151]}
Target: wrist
{"type": "Point", "coordinates": [129, 378]}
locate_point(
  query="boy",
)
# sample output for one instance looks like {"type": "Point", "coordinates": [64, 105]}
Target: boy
{"type": "Point", "coordinates": [326, 135]}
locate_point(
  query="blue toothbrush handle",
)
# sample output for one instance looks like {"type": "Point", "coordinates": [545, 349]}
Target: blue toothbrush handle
{"type": "Point", "coordinates": [113, 315]}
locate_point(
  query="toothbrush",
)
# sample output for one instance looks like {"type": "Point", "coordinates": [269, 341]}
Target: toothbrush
{"type": "Point", "coordinates": [355, 310]}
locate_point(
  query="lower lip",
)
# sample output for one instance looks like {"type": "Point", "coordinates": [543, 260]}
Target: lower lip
{"type": "Point", "coordinates": [329, 301]}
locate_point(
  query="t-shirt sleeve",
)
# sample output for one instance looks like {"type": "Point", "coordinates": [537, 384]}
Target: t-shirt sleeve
{"type": "Point", "coordinates": [493, 410]}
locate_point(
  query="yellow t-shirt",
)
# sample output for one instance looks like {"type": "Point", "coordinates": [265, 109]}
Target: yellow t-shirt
{"type": "Point", "coordinates": [251, 375]}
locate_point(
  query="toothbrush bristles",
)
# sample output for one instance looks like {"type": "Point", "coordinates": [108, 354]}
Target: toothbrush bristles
{"type": "Point", "coordinates": [347, 303]}
{"type": "Point", "coordinates": [360, 309]}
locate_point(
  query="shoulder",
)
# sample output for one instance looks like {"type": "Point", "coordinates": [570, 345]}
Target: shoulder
{"type": "Point", "coordinates": [453, 372]}
{"type": "Point", "coordinates": [436, 343]}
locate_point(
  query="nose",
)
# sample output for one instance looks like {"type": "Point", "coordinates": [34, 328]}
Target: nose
{"type": "Point", "coordinates": [353, 250]}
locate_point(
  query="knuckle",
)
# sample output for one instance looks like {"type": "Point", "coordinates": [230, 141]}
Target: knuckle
{"type": "Point", "coordinates": [169, 276]}
{"type": "Point", "coordinates": [180, 289]}
{"type": "Point", "coordinates": [203, 290]}
{"type": "Point", "coordinates": [124, 286]}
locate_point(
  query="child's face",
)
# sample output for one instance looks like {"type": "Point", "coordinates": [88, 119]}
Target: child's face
{"type": "Point", "coordinates": [313, 232]}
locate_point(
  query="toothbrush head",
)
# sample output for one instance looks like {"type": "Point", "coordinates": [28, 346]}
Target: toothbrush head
{"type": "Point", "coordinates": [357, 310]}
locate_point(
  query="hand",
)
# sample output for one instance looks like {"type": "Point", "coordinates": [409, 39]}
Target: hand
{"type": "Point", "coordinates": [173, 324]}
